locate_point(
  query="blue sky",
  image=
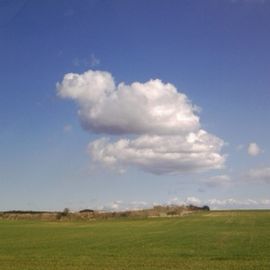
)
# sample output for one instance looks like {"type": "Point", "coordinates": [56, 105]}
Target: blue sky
{"type": "Point", "coordinates": [215, 52]}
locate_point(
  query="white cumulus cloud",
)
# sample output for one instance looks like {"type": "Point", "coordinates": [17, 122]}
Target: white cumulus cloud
{"type": "Point", "coordinates": [168, 135]}
{"type": "Point", "coordinates": [152, 107]}
{"type": "Point", "coordinates": [161, 154]}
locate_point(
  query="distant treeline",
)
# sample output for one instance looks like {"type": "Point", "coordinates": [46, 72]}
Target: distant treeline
{"type": "Point", "coordinates": [25, 212]}
{"type": "Point", "coordinates": [89, 214]}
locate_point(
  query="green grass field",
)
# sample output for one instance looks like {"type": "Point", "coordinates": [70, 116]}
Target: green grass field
{"type": "Point", "coordinates": [210, 240]}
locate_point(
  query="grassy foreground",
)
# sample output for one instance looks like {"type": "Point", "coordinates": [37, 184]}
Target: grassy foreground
{"type": "Point", "coordinates": [210, 240]}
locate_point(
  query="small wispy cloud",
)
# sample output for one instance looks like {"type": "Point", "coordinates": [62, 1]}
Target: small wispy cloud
{"type": "Point", "coordinates": [232, 203]}
{"type": "Point", "coordinates": [120, 205]}
{"type": "Point", "coordinates": [259, 175]}
{"type": "Point", "coordinates": [91, 61]}
{"type": "Point", "coordinates": [240, 147]}
{"type": "Point", "coordinates": [193, 200]}
{"type": "Point", "coordinates": [254, 149]}
{"type": "Point", "coordinates": [67, 128]}
{"type": "Point", "coordinates": [94, 60]}
{"type": "Point", "coordinates": [222, 180]}
{"type": "Point", "coordinates": [227, 203]}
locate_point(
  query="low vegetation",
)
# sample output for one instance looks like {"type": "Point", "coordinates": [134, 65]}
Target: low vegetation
{"type": "Point", "coordinates": [202, 240]}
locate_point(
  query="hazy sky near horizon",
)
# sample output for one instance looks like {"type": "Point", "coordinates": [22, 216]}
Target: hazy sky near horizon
{"type": "Point", "coordinates": [121, 104]}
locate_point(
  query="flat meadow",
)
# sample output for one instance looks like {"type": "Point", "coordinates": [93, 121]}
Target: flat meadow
{"type": "Point", "coordinates": [214, 240]}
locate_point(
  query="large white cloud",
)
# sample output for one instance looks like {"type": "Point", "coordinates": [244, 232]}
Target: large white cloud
{"type": "Point", "coordinates": [169, 135]}
{"type": "Point", "coordinates": [161, 154]}
{"type": "Point", "coordinates": [152, 107]}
